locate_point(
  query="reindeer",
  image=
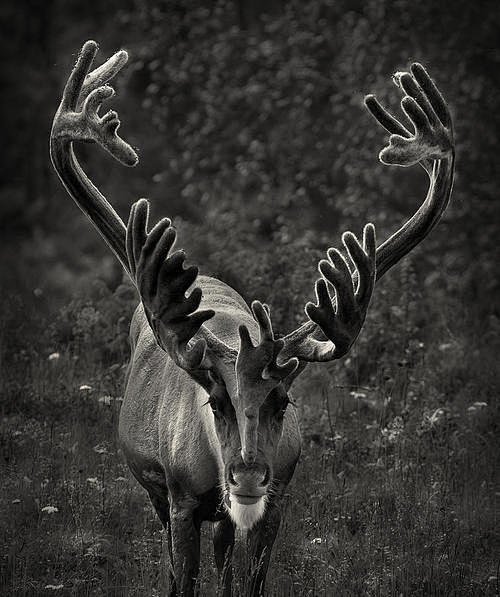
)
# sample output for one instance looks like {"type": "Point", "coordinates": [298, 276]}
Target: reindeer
{"type": "Point", "coordinates": [196, 343]}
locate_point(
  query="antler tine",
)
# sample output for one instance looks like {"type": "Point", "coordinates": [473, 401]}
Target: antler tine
{"type": "Point", "coordinates": [426, 109]}
{"type": "Point", "coordinates": [272, 370]}
{"type": "Point", "coordinates": [260, 362]}
{"type": "Point", "coordinates": [104, 73]}
{"type": "Point", "coordinates": [162, 281]}
{"type": "Point", "coordinates": [341, 318]}
{"type": "Point", "coordinates": [74, 84]}
{"type": "Point", "coordinates": [86, 92]}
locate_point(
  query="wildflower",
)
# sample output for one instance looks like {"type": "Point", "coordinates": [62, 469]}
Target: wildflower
{"type": "Point", "coordinates": [53, 356]}
{"type": "Point", "coordinates": [100, 449]}
{"type": "Point", "coordinates": [480, 404]}
{"type": "Point", "coordinates": [476, 406]}
{"type": "Point", "coordinates": [54, 587]}
{"type": "Point", "coordinates": [16, 501]}
{"type": "Point", "coordinates": [358, 395]}
{"type": "Point", "coordinates": [436, 417]}
{"type": "Point", "coordinates": [50, 509]}
{"type": "Point", "coordinates": [393, 430]}
{"type": "Point", "coordinates": [105, 400]}
{"type": "Point", "coordinates": [95, 483]}
{"type": "Point", "coordinates": [317, 541]}
{"type": "Point", "coordinates": [85, 388]}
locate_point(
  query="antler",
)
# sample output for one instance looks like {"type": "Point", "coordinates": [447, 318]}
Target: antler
{"type": "Point", "coordinates": [339, 315]}
{"type": "Point", "coordinates": [159, 274]}
{"type": "Point", "coordinates": [257, 374]}
{"type": "Point", "coordinates": [162, 281]}
{"type": "Point", "coordinates": [341, 318]}
{"type": "Point", "coordinates": [260, 362]}
{"type": "Point", "coordinates": [77, 119]}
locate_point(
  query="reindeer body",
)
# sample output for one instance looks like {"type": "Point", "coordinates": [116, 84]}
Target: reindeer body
{"type": "Point", "coordinates": [168, 435]}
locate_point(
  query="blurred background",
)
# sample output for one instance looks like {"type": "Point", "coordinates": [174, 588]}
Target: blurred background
{"type": "Point", "coordinates": [249, 120]}
{"type": "Point", "coordinates": [252, 135]}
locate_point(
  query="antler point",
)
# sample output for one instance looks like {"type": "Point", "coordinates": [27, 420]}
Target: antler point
{"type": "Point", "coordinates": [90, 44]}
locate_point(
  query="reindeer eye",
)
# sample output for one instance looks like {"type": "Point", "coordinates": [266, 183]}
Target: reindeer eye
{"type": "Point", "coordinates": [218, 407]}
{"type": "Point", "coordinates": [215, 377]}
{"type": "Point", "coordinates": [282, 410]}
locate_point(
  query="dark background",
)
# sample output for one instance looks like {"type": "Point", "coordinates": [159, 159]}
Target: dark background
{"type": "Point", "coordinates": [252, 133]}
{"type": "Point", "coordinates": [253, 137]}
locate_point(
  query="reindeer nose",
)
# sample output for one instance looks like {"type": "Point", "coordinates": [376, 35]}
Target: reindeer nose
{"type": "Point", "coordinates": [248, 477]}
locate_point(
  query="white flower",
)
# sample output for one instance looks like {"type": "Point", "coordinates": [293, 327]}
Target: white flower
{"type": "Point", "coordinates": [436, 417]}
{"type": "Point", "coordinates": [85, 388]}
{"type": "Point", "coordinates": [358, 395]}
{"type": "Point", "coordinates": [53, 356]}
{"type": "Point", "coordinates": [50, 509]}
{"type": "Point", "coordinates": [476, 406]}
{"type": "Point", "coordinates": [105, 400]}
{"type": "Point", "coordinates": [100, 449]}
{"type": "Point", "coordinates": [316, 541]}
{"type": "Point", "coordinates": [95, 483]}
{"type": "Point", "coordinates": [54, 587]}
{"type": "Point", "coordinates": [17, 501]}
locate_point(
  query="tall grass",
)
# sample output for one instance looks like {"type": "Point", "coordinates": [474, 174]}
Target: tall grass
{"type": "Point", "coordinates": [396, 492]}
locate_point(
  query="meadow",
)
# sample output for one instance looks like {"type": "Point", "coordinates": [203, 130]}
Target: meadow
{"type": "Point", "coordinates": [396, 492]}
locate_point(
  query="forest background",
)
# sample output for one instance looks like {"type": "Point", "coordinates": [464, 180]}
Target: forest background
{"type": "Point", "coordinates": [253, 137]}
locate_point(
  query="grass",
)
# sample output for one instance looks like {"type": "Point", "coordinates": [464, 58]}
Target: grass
{"type": "Point", "coordinates": [396, 492]}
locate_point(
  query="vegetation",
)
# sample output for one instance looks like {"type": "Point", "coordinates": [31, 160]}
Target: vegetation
{"type": "Point", "coordinates": [254, 139]}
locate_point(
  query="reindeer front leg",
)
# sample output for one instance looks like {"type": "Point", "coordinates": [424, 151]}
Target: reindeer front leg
{"type": "Point", "coordinates": [260, 544]}
{"type": "Point", "coordinates": [185, 545]}
{"type": "Point", "coordinates": [223, 550]}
